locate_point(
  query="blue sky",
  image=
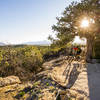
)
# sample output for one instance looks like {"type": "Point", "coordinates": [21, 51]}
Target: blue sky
{"type": "Point", "coordinates": [28, 20]}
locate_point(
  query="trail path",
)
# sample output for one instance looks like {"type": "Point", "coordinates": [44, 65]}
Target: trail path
{"type": "Point", "coordinates": [93, 76]}
{"type": "Point", "coordinates": [88, 82]}
{"type": "Point", "coordinates": [83, 80]}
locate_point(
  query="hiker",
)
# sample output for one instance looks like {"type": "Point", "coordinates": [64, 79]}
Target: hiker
{"type": "Point", "coordinates": [76, 52]}
{"type": "Point", "coordinates": [75, 49]}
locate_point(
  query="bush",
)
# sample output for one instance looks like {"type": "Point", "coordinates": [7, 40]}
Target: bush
{"type": "Point", "coordinates": [23, 62]}
{"type": "Point", "coordinates": [55, 52]}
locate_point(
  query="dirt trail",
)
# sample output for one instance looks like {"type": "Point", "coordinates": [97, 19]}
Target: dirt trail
{"type": "Point", "coordinates": [93, 75]}
{"type": "Point", "coordinates": [88, 82]}
{"type": "Point", "coordinates": [83, 81]}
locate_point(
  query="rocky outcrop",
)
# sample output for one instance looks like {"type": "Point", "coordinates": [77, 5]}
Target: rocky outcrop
{"type": "Point", "coordinates": [61, 81]}
{"type": "Point", "coordinates": [54, 63]}
{"type": "Point", "coordinates": [9, 80]}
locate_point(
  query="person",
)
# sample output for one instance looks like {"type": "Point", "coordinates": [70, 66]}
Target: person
{"type": "Point", "coordinates": [76, 52]}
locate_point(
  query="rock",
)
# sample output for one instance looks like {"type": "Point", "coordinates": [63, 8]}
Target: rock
{"type": "Point", "coordinates": [47, 65]}
{"type": "Point", "coordinates": [32, 97]}
{"type": "Point", "coordinates": [62, 92]}
{"type": "Point", "coordinates": [62, 95]}
{"type": "Point", "coordinates": [9, 80]}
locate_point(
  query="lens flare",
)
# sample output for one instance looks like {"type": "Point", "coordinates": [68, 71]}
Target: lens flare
{"type": "Point", "coordinates": [85, 23]}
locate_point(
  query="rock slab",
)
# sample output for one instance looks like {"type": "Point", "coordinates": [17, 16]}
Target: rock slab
{"type": "Point", "coordinates": [9, 80]}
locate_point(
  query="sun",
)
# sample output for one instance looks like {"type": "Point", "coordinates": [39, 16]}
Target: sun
{"type": "Point", "coordinates": [84, 23]}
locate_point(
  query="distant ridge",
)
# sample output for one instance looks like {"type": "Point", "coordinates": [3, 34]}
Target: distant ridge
{"type": "Point", "coordinates": [2, 44]}
{"type": "Point", "coordinates": [38, 43]}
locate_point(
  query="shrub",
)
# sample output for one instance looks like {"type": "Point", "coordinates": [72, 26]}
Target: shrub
{"type": "Point", "coordinates": [20, 61]}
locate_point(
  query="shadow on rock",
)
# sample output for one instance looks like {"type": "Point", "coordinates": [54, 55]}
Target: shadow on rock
{"type": "Point", "coordinates": [23, 92]}
{"type": "Point", "coordinates": [73, 75]}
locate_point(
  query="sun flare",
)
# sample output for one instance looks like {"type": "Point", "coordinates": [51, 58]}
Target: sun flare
{"type": "Point", "coordinates": [85, 23]}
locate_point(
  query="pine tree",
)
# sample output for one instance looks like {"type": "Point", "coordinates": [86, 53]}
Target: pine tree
{"type": "Point", "coordinates": [68, 25]}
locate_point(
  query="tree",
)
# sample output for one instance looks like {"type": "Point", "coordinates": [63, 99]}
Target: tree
{"type": "Point", "coordinates": [68, 25]}
{"type": "Point", "coordinates": [91, 10]}
{"type": "Point", "coordinates": [64, 27]}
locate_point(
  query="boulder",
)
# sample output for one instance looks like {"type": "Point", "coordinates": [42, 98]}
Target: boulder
{"type": "Point", "coordinates": [9, 80]}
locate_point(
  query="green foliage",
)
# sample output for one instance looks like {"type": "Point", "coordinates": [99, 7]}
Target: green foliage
{"type": "Point", "coordinates": [25, 61]}
{"type": "Point", "coordinates": [44, 49]}
{"type": "Point", "coordinates": [52, 88]}
{"type": "Point", "coordinates": [36, 84]}
{"type": "Point", "coordinates": [31, 57]}
{"type": "Point", "coordinates": [20, 61]}
{"type": "Point", "coordinates": [68, 25]}
{"type": "Point", "coordinates": [22, 93]}
{"type": "Point", "coordinates": [56, 51]}
{"type": "Point", "coordinates": [47, 84]}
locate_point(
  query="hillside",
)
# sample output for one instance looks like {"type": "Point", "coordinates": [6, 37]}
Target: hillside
{"type": "Point", "coordinates": [38, 43]}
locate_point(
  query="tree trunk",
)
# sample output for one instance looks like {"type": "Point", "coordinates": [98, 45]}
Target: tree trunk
{"type": "Point", "coordinates": [89, 53]}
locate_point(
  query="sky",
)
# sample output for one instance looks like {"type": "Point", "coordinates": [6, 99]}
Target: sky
{"type": "Point", "coordinates": [29, 20]}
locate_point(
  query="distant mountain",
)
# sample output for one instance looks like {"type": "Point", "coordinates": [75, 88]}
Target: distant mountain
{"type": "Point", "coordinates": [2, 44]}
{"type": "Point", "coordinates": [38, 43]}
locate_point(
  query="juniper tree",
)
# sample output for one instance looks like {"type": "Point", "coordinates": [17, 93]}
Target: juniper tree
{"type": "Point", "coordinates": [68, 25]}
